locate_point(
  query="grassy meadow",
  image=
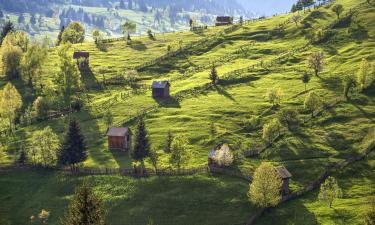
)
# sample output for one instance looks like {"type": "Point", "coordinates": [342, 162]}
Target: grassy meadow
{"type": "Point", "coordinates": [334, 135]}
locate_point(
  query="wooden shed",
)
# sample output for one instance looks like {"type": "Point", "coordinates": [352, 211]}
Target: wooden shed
{"type": "Point", "coordinates": [160, 89]}
{"type": "Point", "coordinates": [82, 59]}
{"type": "Point", "coordinates": [119, 138]}
{"type": "Point", "coordinates": [224, 20]}
{"type": "Point", "coordinates": [285, 175]}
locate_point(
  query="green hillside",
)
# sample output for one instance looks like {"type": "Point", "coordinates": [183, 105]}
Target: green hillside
{"type": "Point", "coordinates": [250, 60]}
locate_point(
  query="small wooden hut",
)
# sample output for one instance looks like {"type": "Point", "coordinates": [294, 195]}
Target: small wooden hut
{"type": "Point", "coordinates": [82, 59]}
{"type": "Point", "coordinates": [160, 89]}
{"type": "Point", "coordinates": [224, 20]}
{"type": "Point", "coordinates": [119, 138]}
{"type": "Point", "coordinates": [285, 175]}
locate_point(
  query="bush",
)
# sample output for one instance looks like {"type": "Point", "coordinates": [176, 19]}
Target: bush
{"type": "Point", "coordinates": [251, 124]}
{"type": "Point", "coordinates": [272, 131]}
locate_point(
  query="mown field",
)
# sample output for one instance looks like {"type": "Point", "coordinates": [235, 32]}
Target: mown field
{"type": "Point", "coordinates": [334, 135]}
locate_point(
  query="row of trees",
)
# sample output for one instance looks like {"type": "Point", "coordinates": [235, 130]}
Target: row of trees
{"type": "Point", "coordinates": [47, 151]}
{"type": "Point", "coordinates": [176, 146]}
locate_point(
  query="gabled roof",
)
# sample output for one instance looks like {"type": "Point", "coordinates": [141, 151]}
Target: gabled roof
{"type": "Point", "coordinates": [160, 84]}
{"type": "Point", "coordinates": [283, 172]}
{"type": "Point", "coordinates": [118, 131]}
{"type": "Point", "coordinates": [77, 55]}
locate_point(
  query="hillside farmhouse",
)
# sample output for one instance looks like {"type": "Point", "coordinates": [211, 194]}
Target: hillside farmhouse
{"type": "Point", "coordinates": [119, 138]}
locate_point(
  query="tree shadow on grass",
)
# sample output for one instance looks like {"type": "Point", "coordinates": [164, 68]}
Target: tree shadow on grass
{"type": "Point", "coordinates": [89, 80]}
{"type": "Point", "coordinates": [333, 83]}
{"type": "Point", "coordinates": [364, 112]}
{"type": "Point", "coordinates": [238, 80]}
{"type": "Point", "coordinates": [169, 102]}
{"type": "Point", "coordinates": [138, 45]}
{"type": "Point", "coordinates": [292, 212]}
{"type": "Point", "coordinates": [223, 92]}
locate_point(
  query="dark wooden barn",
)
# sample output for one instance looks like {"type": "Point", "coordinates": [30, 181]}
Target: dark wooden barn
{"type": "Point", "coordinates": [119, 138]}
{"type": "Point", "coordinates": [160, 89]}
{"type": "Point", "coordinates": [224, 20]}
{"type": "Point", "coordinates": [82, 59]}
{"type": "Point", "coordinates": [285, 175]}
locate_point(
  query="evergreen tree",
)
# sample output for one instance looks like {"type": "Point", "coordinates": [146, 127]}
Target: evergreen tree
{"type": "Point", "coordinates": [8, 27]}
{"type": "Point", "coordinates": [1, 14]}
{"type": "Point", "coordinates": [305, 79]}
{"type": "Point", "coordinates": [22, 159]}
{"type": "Point", "coordinates": [86, 208]}
{"type": "Point", "coordinates": [130, 4]}
{"type": "Point", "coordinates": [213, 75]}
{"type": "Point", "coordinates": [73, 149]}
{"type": "Point", "coordinates": [142, 145]}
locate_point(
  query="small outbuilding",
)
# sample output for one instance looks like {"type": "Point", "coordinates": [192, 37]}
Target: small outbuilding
{"type": "Point", "coordinates": [119, 138]}
{"type": "Point", "coordinates": [82, 59]}
{"type": "Point", "coordinates": [224, 20]}
{"type": "Point", "coordinates": [285, 175]}
{"type": "Point", "coordinates": [160, 89]}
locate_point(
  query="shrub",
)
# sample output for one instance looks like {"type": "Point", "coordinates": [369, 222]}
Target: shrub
{"type": "Point", "coordinates": [272, 131]}
{"type": "Point", "coordinates": [251, 124]}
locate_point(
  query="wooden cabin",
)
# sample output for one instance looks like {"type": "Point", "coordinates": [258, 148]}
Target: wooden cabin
{"type": "Point", "coordinates": [224, 20]}
{"type": "Point", "coordinates": [285, 175]}
{"type": "Point", "coordinates": [160, 89]}
{"type": "Point", "coordinates": [119, 138]}
{"type": "Point", "coordinates": [82, 59]}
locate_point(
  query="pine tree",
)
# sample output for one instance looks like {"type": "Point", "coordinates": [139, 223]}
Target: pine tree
{"type": "Point", "coordinates": [86, 208]}
{"type": "Point", "coordinates": [142, 145]}
{"type": "Point", "coordinates": [168, 142]}
{"type": "Point", "coordinates": [213, 76]}
{"type": "Point", "coordinates": [73, 149]}
{"type": "Point", "coordinates": [8, 27]}
{"type": "Point", "coordinates": [305, 79]}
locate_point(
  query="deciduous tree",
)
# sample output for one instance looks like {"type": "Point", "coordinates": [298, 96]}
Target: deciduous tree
{"type": "Point", "coordinates": [316, 62]}
{"type": "Point", "coordinates": [364, 75]}
{"type": "Point", "coordinates": [329, 191]}
{"type": "Point", "coordinates": [179, 151]}
{"type": "Point", "coordinates": [10, 102]}
{"type": "Point", "coordinates": [338, 9]}
{"type": "Point", "coordinates": [265, 188]}
{"type": "Point", "coordinates": [32, 61]}
{"type": "Point", "coordinates": [312, 102]}
{"type": "Point", "coordinates": [274, 96]}
{"type": "Point", "coordinates": [168, 142]}
{"type": "Point", "coordinates": [68, 77]}
{"type": "Point", "coordinates": [306, 79]}
{"type": "Point", "coordinates": [271, 131]}
{"type": "Point", "coordinates": [73, 33]}
{"type": "Point", "coordinates": [370, 214]}
{"type": "Point", "coordinates": [44, 146]}
{"type": "Point", "coordinates": [127, 28]}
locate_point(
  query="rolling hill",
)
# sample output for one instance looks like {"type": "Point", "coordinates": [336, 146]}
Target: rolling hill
{"type": "Point", "coordinates": [250, 60]}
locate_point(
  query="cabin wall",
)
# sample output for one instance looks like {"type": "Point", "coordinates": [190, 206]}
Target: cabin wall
{"type": "Point", "coordinates": [119, 142]}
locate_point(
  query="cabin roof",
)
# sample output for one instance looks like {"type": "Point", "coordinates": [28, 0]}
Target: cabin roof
{"type": "Point", "coordinates": [160, 84]}
{"type": "Point", "coordinates": [283, 172]}
{"type": "Point", "coordinates": [77, 55]}
{"type": "Point", "coordinates": [118, 131]}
